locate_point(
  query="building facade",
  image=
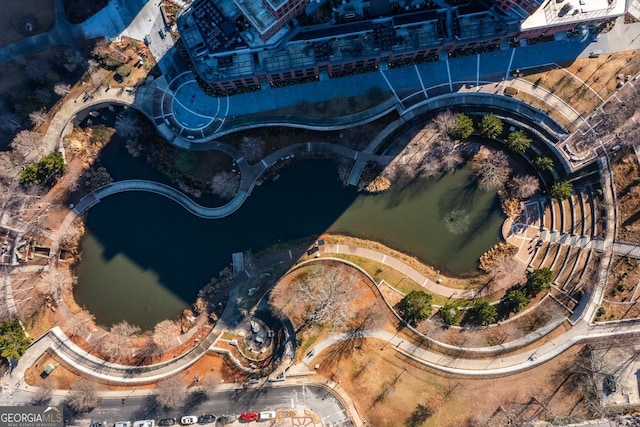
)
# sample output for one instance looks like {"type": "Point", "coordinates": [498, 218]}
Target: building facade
{"type": "Point", "coordinates": [239, 45]}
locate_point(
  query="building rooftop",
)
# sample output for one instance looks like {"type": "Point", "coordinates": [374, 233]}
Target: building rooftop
{"type": "Point", "coordinates": [558, 12]}
{"type": "Point", "coordinates": [259, 15]}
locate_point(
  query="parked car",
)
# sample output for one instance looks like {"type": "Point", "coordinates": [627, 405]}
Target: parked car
{"type": "Point", "coordinates": [98, 424]}
{"type": "Point", "coordinates": [144, 423]}
{"type": "Point", "coordinates": [206, 419]}
{"type": "Point", "coordinates": [227, 419]}
{"type": "Point", "coordinates": [267, 415]}
{"type": "Point", "coordinates": [122, 424]}
{"type": "Point", "coordinates": [188, 420]}
{"type": "Point", "coordinates": [249, 416]}
{"type": "Point", "coordinates": [165, 422]}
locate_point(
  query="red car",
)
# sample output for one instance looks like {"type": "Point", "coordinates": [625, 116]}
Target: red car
{"type": "Point", "coordinates": [249, 416]}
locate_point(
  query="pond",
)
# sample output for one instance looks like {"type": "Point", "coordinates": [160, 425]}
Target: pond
{"type": "Point", "coordinates": [145, 257]}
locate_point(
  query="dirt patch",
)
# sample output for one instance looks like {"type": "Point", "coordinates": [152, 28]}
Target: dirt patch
{"type": "Point", "coordinates": [626, 177]}
{"type": "Point", "coordinates": [24, 18]}
{"type": "Point", "coordinates": [386, 388]}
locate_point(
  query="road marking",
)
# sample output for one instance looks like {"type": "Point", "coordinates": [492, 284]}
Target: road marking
{"type": "Point", "coordinates": [383, 258]}
{"type": "Point", "coordinates": [355, 155]}
{"type": "Point", "coordinates": [424, 284]}
{"type": "Point", "coordinates": [449, 74]}
{"type": "Point", "coordinates": [293, 406]}
{"type": "Point", "coordinates": [478, 73]}
{"type": "Point", "coordinates": [390, 87]}
{"type": "Point", "coordinates": [247, 273]}
{"type": "Point", "coordinates": [424, 90]}
{"type": "Point", "coordinates": [264, 163]}
{"type": "Point", "coordinates": [290, 256]}
{"type": "Point", "coordinates": [513, 52]}
{"type": "Point", "coordinates": [337, 249]}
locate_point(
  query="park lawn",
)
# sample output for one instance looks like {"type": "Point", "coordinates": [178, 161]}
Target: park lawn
{"type": "Point", "coordinates": [386, 387]}
{"type": "Point", "coordinates": [568, 88]}
{"type": "Point", "coordinates": [40, 12]}
{"type": "Point", "coordinates": [601, 73]}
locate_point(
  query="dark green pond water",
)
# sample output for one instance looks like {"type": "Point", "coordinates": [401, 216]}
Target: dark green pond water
{"type": "Point", "coordinates": [145, 257]}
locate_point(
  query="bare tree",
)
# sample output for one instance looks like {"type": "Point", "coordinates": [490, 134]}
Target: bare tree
{"type": "Point", "coordinates": [25, 142]}
{"type": "Point", "coordinates": [61, 89]}
{"type": "Point", "coordinates": [524, 186]}
{"type": "Point", "coordinates": [225, 184]}
{"type": "Point", "coordinates": [165, 334]}
{"type": "Point", "coordinates": [37, 117]}
{"type": "Point", "coordinates": [171, 392]}
{"type": "Point", "coordinates": [445, 122]}
{"type": "Point", "coordinates": [451, 160]}
{"type": "Point", "coordinates": [116, 345]}
{"type": "Point", "coordinates": [80, 323]}
{"type": "Point", "coordinates": [505, 272]}
{"type": "Point", "coordinates": [72, 58]}
{"type": "Point", "coordinates": [327, 292]}
{"type": "Point", "coordinates": [83, 396]}
{"type": "Point", "coordinates": [252, 148]}
{"type": "Point", "coordinates": [493, 171]}
{"type": "Point", "coordinates": [43, 394]}
{"type": "Point", "coordinates": [127, 126]}
{"type": "Point", "coordinates": [100, 48]}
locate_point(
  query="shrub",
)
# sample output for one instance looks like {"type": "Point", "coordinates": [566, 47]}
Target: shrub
{"type": "Point", "coordinates": [41, 171]}
{"type": "Point", "coordinates": [123, 71]}
{"type": "Point", "coordinates": [450, 314]}
{"type": "Point", "coordinates": [416, 306]}
{"type": "Point", "coordinates": [539, 280]}
{"type": "Point", "coordinates": [561, 190]}
{"type": "Point", "coordinates": [518, 141]}
{"type": "Point", "coordinates": [516, 300]}
{"type": "Point", "coordinates": [543, 164]}
{"type": "Point", "coordinates": [463, 127]}
{"type": "Point", "coordinates": [485, 312]}
{"type": "Point", "coordinates": [490, 126]}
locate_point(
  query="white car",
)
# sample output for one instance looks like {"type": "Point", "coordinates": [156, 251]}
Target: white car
{"type": "Point", "coordinates": [267, 415]}
{"type": "Point", "coordinates": [144, 423]}
{"type": "Point", "coordinates": [188, 420]}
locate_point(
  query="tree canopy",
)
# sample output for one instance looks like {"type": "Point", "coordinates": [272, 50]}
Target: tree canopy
{"type": "Point", "coordinates": [490, 126]}
{"type": "Point", "coordinates": [485, 312]}
{"type": "Point", "coordinates": [462, 128]}
{"type": "Point", "coordinates": [39, 172]}
{"type": "Point", "coordinates": [543, 164]}
{"type": "Point", "coordinates": [416, 306]}
{"type": "Point", "coordinates": [561, 190]}
{"type": "Point", "coordinates": [516, 300]}
{"type": "Point", "coordinates": [539, 280]}
{"type": "Point", "coordinates": [518, 141]}
{"type": "Point", "coordinates": [13, 341]}
{"type": "Point", "coordinates": [450, 314]}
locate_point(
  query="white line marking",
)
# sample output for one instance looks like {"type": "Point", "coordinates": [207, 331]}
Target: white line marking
{"type": "Point", "coordinates": [449, 74]}
{"type": "Point", "coordinates": [247, 273]}
{"type": "Point", "coordinates": [513, 52]}
{"type": "Point", "coordinates": [424, 90]}
{"type": "Point", "coordinates": [264, 163]}
{"type": "Point", "coordinates": [290, 256]}
{"type": "Point", "coordinates": [355, 155]}
{"type": "Point", "coordinates": [383, 259]}
{"type": "Point", "coordinates": [390, 87]}
{"type": "Point", "coordinates": [425, 282]}
{"type": "Point", "coordinates": [478, 73]}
